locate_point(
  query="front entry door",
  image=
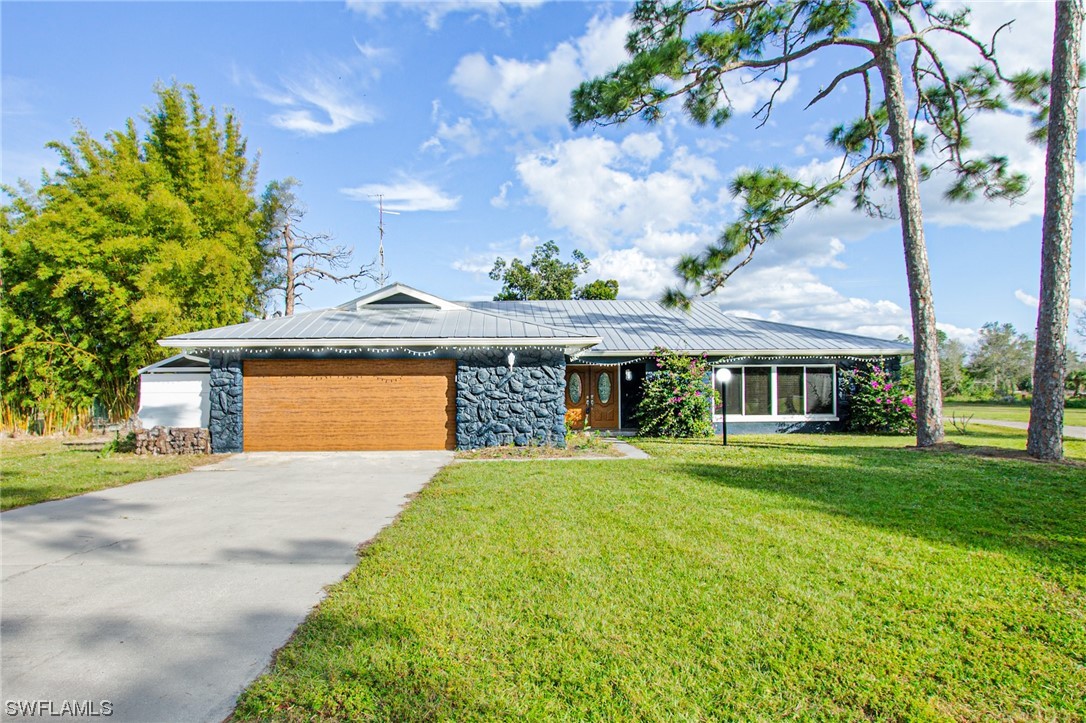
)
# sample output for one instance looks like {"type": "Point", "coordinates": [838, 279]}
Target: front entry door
{"type": "Point", "coordinates": [592, 397]}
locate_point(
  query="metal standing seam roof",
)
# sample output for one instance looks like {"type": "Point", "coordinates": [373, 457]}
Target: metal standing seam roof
{"type": "Point", "coordinates": [641, 326]}
{"type": "Point", "coordinates": [384, 324]}
{"type": "Point", "coordinates": [609, 327]}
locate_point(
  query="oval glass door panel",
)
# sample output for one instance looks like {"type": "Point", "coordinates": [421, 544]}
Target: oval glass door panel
{"type": "Point", "coordinates": [603, 387]}
{"type": "Point", "coordinates": [575, 388]}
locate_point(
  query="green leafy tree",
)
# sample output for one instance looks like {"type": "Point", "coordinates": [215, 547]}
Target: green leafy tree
{"type": "Point", "coordinates": [1045, 438]}
{"type": "Point", "coordinates": [547, 277]}
{"type": "Point", "coordinates": [952, 364]}
{"type": "Point", "coordinates": [1076, 382]}
{"type": "Point", "coordinates": [134, 238]}
{"type": "Point", "coordinates": [1002, 360]}
{"type": "Point", "coordinates": [693, 51]}
{"type": "Point", "coordinates": [677, 397]}
{"type": "Point", "coordinates": [600, 289]}
{"type": "Point", "coordinates": [297, 258]}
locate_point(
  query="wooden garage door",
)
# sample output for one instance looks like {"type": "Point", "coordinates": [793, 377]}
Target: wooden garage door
{"type": "Point", "coordinates": [340, 404]}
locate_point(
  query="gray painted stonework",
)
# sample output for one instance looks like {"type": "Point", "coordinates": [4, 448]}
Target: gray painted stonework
{"type": "Point", "coordinates": [496, 406]}
{"type": "Point", "coordinates": [226, 388]}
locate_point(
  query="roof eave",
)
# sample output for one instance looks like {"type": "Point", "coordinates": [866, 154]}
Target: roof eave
{"type": "Point", "coordinates": [874, 352]}
{"type": "Point", "coordinates": [151, 368]}
{"type": "Point", "coordinates": [177, 342]}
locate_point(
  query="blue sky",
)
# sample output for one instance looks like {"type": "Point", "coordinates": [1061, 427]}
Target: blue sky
{"type": "Point", "coordinates": [455, 111]}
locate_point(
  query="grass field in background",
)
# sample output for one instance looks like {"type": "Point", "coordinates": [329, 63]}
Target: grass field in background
{"type": "Point", "coordinates": [1000, 411]}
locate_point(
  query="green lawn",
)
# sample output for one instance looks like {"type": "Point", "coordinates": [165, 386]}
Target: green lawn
{"type": "Point", "coordinates": [1075, 417]}
{"type": "Point", "coordinates": [37, 470]}
{"type": "Point", "coordinates": [802, 577]}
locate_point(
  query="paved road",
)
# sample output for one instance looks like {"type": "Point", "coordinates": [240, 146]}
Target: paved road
{"type": "Point", "coordinates": [1068, 432]}
{"type": "Point", "coordinates": [167, 597]}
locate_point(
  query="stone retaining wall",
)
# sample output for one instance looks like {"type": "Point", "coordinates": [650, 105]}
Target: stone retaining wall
{"type": "Point", "coordinates": [173, 440]}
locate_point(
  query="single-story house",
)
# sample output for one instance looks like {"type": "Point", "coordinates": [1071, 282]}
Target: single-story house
{"type": "Point", "coordinates": [403, 369]}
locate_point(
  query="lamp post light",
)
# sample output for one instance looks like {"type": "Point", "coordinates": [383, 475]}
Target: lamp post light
{"type": "Point", "coordinates": [724, 375]}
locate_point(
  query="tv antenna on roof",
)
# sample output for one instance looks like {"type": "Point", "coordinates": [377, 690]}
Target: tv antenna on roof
{"type": "Point", "coordinates": [382, 274]}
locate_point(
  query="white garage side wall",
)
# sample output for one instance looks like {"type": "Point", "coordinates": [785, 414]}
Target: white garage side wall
{"type": "Point", "coordinates": [175, 399]}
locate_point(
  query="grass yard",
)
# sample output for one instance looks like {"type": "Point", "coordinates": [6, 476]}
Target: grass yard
{"type": "Point", "coordinates": [1075, 417]}
{"type": "Point", "coordinates": [37, 470]}
{"type": "Point", "coordinates": [809, 577]}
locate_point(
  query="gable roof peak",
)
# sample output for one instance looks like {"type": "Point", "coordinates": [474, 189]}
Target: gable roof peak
{"type": "Point", "coordinates": [399, 295]}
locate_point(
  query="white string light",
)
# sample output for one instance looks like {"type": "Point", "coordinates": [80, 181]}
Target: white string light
{"type": "Point", "coordinates": [574, 359]}
{"type": "Point", "coordinates": [371, 350]}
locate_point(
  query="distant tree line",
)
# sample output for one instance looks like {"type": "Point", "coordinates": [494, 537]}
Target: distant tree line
{"type": "Point", "coordinates": [998, 365]}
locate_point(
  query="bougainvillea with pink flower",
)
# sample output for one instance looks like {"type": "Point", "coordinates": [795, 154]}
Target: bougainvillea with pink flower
{"type": "Point", "coordinates": [881, 402]}
{"type": "Point", "coordinates": [677, 396]}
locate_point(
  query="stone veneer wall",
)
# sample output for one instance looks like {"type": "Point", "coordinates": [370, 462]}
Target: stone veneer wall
{"type": "Point", "coordinates": [496, 406]}
{"type": "Point", "coordinates": [226, 387]}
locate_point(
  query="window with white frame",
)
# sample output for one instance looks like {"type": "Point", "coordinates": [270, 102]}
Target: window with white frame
{"type": "Point", "coordinates": [788, 392]}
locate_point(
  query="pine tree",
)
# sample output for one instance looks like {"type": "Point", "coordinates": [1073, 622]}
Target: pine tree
{"type": "Point", "coordinates": [1045, 439]}
{"type": "Point", "coordinates": [691, 50]}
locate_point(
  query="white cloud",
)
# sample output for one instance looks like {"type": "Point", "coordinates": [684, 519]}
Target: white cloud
{"type": "Point", "coordinates": [1025, 44]}
{"type": "Point", "coordinates": [405, 195]}
{"type": "Point", "coordinates": [482, 263]}
{"type": "Point", "coordinates": [460, 136]}
{"type": "Point", "coordinates": [639, 275]}
{"type": "Point", "coordinates": [319, 98]}
{"type": "Point", "coordinates": [965, 335]}
{"type": "Point", "coordinates": [475, 263]}
{"type": "Point", "coordinates": [748, 92]}
{"type": "Point", "coordinates": [1004, 135]}
{"type": "Point", "coordinates": [643, 146]}
{"type": "Point", "coordinates": [502, 199]}
{"type": "Point", "coordinates": [792, 293]}
{"type": "Point", "coordinates": [533, 94]}
{"type": "Point", "coordinates": [1027, 299]}
{"type": "Point", "coordinates": [496, 11]}
{"type": "Point", "coordinates": [586, 188]}
{"type": "Point", "coordinates": [639, 217]}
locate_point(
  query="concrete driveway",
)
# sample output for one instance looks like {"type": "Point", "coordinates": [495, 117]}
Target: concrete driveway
{"type": "Point", "coordinates": [166, 597]}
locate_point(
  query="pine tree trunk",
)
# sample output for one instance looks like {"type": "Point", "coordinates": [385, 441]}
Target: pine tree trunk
{"type": "Point", "coordinates": [1050, 358]}
{"type": "Point", "coordinates": [929, 392]}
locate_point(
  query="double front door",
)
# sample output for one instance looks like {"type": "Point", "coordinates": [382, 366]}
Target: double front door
{"type": "Point", "coordinates": [592, 397]}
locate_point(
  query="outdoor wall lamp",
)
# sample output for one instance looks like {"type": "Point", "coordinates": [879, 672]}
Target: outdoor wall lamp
{"type": "Point", "coordinates": [724, 375]}
{"type": "Point", "coordinates": [511, 358]}
{"type": "Point", "coordinates": [629, 375]}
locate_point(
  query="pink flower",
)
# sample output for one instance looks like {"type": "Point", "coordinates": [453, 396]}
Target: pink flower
{"type": "Point", "coordinates": [878, 400]}
{"type": "Point", "coordinates": [913, 415]}
{"type": "Point", "coordinates": [908, 401]}
{"type": "Point", "coordinates": [874, 385]}
{"type": "Point", "coordinates": [887, 387]}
